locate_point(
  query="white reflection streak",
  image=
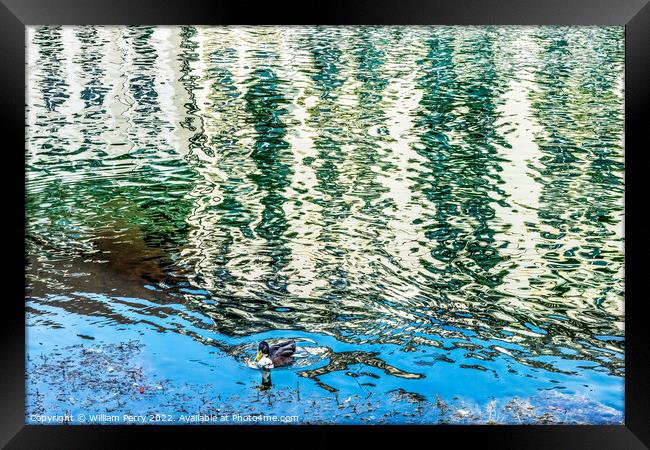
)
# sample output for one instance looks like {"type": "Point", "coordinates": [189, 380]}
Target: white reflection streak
{"type": "Point", "coordinates": [116, 103]}
{"type": "Point", "coordinates": [356, 228]}
{"type": "Point", "coordinates": [32, 94]}
{"type": "Point", "coordinates": [407, 199]}
{"type": "Point", "coordinates": [166, 87]}
{"type": "Point", "coordinates": [205, 238]}
{"type": "Point", "coordinates": [304, 219]}
{"type": "Point", "coordinates": [521, 190]}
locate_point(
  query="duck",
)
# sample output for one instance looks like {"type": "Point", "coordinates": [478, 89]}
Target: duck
{"type": "Point", "coordinates": [269, 357]}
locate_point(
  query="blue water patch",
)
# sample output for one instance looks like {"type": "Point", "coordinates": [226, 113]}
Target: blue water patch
{"type": "Point", "coordinates": [534, 328]}
{"type": "Point", "coordinates": [208, 358]}
{"type": "Point", "coordinates": [609, 338]}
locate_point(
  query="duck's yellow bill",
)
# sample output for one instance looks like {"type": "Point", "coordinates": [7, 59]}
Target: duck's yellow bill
{"type": "Point", "coordinates": [258, 357]}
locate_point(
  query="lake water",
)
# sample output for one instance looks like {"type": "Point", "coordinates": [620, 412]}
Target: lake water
{"type": "Point", "coordinates": [435, 214]}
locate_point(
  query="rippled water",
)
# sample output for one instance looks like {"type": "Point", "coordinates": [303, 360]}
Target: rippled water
{"type": "Point", "coordinates": [436, 210]}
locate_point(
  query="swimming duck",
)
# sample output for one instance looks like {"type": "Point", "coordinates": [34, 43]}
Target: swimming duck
{"type": "Point", "coordinates": [276, 356]}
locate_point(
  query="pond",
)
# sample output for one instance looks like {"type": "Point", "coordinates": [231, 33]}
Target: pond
{"type": "Point", "coordinates": [434, 214]}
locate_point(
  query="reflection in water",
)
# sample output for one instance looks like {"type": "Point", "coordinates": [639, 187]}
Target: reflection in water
{"type": "Point", "coordinates": [266, 380]}
{"type": "Point", "coordinates": [419, 198]}
{"type": "Point", "coordinates": [264, 103]}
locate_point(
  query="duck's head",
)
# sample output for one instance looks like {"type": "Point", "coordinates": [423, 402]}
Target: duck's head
{"type": "Point", "coordinates": [262, 350]}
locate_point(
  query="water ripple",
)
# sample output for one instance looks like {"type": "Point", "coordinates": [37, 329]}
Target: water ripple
{"type": "Point", "coordinates": [448, 190]}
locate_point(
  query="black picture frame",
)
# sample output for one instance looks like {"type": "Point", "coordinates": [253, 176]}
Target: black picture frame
{"type": "Point", "coordinates": [16, 14]}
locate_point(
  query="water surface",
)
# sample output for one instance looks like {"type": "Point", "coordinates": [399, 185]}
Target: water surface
{"type": "Point", "coordinates": [435, 212]}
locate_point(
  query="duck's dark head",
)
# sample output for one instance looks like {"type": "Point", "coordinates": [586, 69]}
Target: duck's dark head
{"type": "Point", "coordinates": [262, 349]}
